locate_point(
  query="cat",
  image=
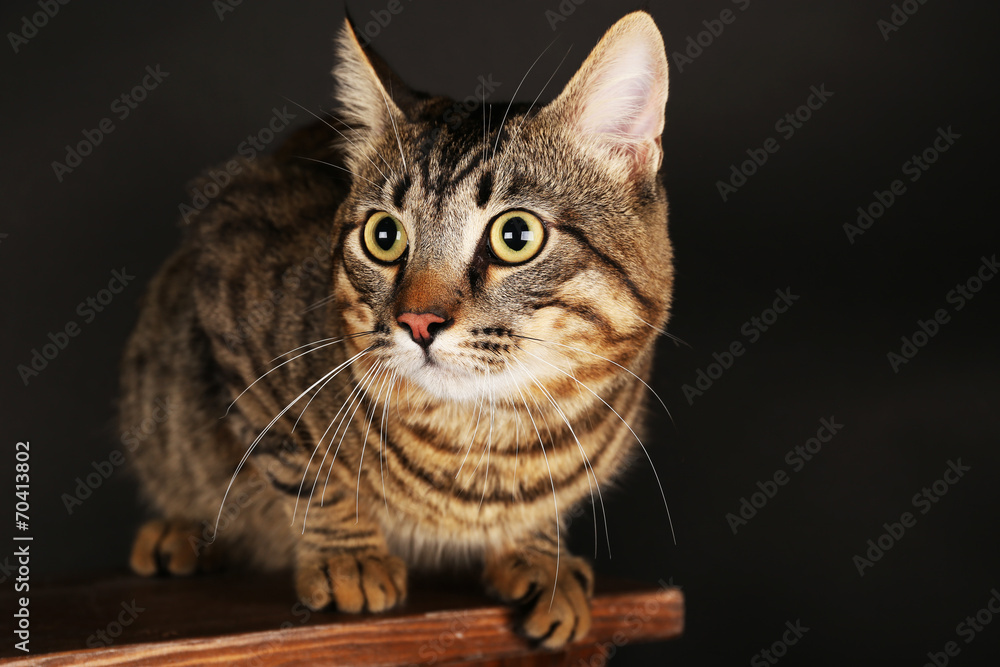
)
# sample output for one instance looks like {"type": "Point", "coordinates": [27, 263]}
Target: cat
{"type": "Point", "coordinates": [455, 325]}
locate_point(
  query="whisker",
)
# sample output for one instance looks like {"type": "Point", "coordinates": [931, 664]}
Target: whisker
{"type": "Point", "coordinates": [364, 443]}
{"type": "Point", "coordinates": [555, 500]}
{"type": "Point", "coordinates": [322, 302]}
{"type": "Point", "coordinates": [527, 113]}
{"type": "Point", "coordinates": [330, 125]}
{"type": "Point", "coordinates": [676, 339]}
{"type": "Point", "coordinates": [637, 439]}
{"type": "Point", "coordinates": [381, 438]}
{"type": "Point", "coordinates": [474, 432]}
{"type": "Point", "coordinates": [322, 340]}
{"type": "Point", "coordinates": [514, 96]}
{"type": "Point", "coordinates": [268, 427]}
{"type": "Point", "coordinates": [489, 440]}
{"type": "Point", "coordinates": [392, 118]}
{"type": "Point", "coordinates": [337, 166]}
{"type": "Point", "coordinates": [319, 443]}
{"type": "Point", "coordinates": [587, 466]}
{"type": "Point", "coordinates": [577, 349]}
{"type": "Point", "coordinates": [361, 390]}
{"type": "Point", "coordinates": [339, 340]}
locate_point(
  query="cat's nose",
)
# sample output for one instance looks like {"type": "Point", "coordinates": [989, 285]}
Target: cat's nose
{"type": "Point", "coordinates": [423, 326]}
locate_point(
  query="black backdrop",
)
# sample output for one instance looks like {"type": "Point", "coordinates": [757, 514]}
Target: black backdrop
{"type": "Point", "coordinates": [888, 95]}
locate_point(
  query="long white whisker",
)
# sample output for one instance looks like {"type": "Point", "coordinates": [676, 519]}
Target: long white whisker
{"type": "Point", "coordinates": [364, 443]}
{"type": "Point", "coordinates": [577, 349]}
{"type": "Point", "coordinates": [555, 500]}
{"type": "Point", "coordinates": [322, 302]}
{"type": "Point", "coordinates": [369, 374]}
{"type": "Point", "coordinates": [662, 332]}
{"type": "Point", "coordinates": [319, 443]}
{"type": "Point", "coordinates": [267, 428]}
{"type": "Point", "coordinates": [473, 439]}
{"type": "Point", "coordinates": [637, 439]}
{"type": "Point", "coordinates": [329, 125]}
{"type": "Point", "coordinates": [524, 118]}
{"type": "Point", "coordinates": [381, 439]}
{"type": "Point", "coordinates": [489, 439]}
{"type": "Point", "coordinates": [588, 468]}
{"type": "Point", "coordinates": [339, 340]}
{"type": "Point", "coordinates": [392, 118]}
{"type": "Point", "coordinates": [514, 96]}
{"type": "Point", "coordinates": [337, 166]}
{"type": "Point", "coordinates": [321, 340]}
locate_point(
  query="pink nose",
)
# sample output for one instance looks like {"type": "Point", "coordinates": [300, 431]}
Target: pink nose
{"type": "Point", "coordinates": [420, 326]}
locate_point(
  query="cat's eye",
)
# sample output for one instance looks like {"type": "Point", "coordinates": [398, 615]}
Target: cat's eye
{"type": "Point", "coordinates": [385, 237]}
{"type": "Point", "coordinates": [516, 237]}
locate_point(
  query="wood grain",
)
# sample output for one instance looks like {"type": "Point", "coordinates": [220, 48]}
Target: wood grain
{"type": "Point", "coordinates": [243, 619]}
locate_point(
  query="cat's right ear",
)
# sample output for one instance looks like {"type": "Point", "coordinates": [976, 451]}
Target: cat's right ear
{"type": "Point", "coordinates": [615, 102]}
{"type": "Point", "coordinates": [365, 88]}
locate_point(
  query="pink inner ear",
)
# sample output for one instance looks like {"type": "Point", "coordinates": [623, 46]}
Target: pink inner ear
{"type": "Point", "coordinates": [623, 100]}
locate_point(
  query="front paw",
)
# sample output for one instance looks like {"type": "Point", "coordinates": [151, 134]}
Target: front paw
{"type": "Point", "coordinates": [556, 607]}
{"type": "Point", "coordinates": [351, 582]}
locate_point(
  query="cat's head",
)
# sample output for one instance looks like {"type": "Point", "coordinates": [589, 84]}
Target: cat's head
{"type": "Point", "coordinates": [518, 246]}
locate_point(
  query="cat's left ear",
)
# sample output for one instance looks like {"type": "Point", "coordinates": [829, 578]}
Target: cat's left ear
{"type": "Point", "coordinates": [366, 90]}
{"type": "Point", "coordinates": [615, 102]}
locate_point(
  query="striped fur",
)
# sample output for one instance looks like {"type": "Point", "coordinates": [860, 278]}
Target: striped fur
{"type": "Point", "coordinates": [361, 451]}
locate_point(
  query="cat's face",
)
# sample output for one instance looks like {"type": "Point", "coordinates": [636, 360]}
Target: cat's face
{"type": "Point", "coordinates": [497, 257]}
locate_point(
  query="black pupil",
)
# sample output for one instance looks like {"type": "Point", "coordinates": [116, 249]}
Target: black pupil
{"type": "Point", "coordinates": [386, 233]}
{"type": "Point", "coordinates": [516, 233]}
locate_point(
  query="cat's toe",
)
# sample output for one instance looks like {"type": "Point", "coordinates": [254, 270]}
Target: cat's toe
{"type": "Point", "coordinates": [555, 607]}
{"type": "Point", "coordinates": [171, 546]}
{"type": "Point", "coordinates": [352, 582]}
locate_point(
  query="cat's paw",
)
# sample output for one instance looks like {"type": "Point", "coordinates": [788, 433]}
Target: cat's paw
{"type": "Point", "coordinates": [171, 546]}
{"type": "Point", "coordinates": [556, 608]}
{"type": "Point", "coordinates": [352, 582]}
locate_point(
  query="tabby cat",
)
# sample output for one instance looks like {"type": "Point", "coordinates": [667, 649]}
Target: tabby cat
{"type": "Point", "coordinates": [454, 322]}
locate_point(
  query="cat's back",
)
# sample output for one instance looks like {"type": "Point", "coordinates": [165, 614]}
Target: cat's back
{"type": "Point", "coordinates": [246, 284]}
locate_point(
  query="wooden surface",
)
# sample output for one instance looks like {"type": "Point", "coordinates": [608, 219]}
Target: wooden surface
{"type": "Point", "coordinates": [243, 619]}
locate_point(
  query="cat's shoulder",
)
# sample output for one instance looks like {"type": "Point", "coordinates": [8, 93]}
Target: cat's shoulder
{"type": "Point", "coordinates": [301, 183]}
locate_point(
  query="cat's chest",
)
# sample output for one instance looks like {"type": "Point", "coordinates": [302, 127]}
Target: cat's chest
{"type": "Point", "coordinates": [488, 487]}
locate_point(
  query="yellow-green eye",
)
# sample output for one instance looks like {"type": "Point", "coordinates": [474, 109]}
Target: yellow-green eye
{"type": "Point", "coordinates": [385, 237]}
{"type": "Point", "coordinates": [516, 236]}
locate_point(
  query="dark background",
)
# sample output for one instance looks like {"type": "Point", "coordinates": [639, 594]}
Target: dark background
{"type": "Point", "coordinates": [825, 358]}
